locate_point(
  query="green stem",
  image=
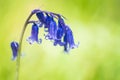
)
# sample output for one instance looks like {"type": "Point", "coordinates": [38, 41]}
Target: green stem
{"type": "Point", "coordinates": [19, 49]}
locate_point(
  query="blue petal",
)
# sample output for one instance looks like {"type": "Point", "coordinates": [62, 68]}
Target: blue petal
{"type": "Point", "coordinates": [61, 28]}
{"type": "Point", "coordinates": [40, 15]}
{"type": "Point", "coordinates": [52, 28]}
{"type": "Point", "coordinates": [48, 20]}
{"type": "Point", "coordinates": [69, 40]}
{"type": "Point", "coordinates": [34, 34]}
{"type": "Point", "coordinates": [66, 48]}
{"type": "Point", "coordinates": [65, 39]}
{"type": "Point", "coordinates": [14, 47]}
{"type": "Point", "coordinates": [61, 22]}
{"type": "Point", "coordinates": [60, 33]}
{"type": "Point", "coordinates": [58, 41]}
{"type": "Point", "coordinates": [59, 36]}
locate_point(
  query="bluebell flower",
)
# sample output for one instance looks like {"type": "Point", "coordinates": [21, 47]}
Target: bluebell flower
{"type": "Point", "coordinates": [47, 21]}
{"type": "Point", "coordinates": [60, 32]}
{"type": "Point", "coordinates": [40, 15]}
{"type": "Point", "coordinates": [69, 40]}
{"type": "Point", "coordinates": [61, 28]}
{"type": "Point", "coordinates": [14, 47]}
{"type": "Point", "coordinates": [59, 37]}
{"type": "Point", "coordinates": [34, 34]}
{"type": "Point", "coordinates": [61, 22]}
{"type": "Point", "coordinates": [52, 28]}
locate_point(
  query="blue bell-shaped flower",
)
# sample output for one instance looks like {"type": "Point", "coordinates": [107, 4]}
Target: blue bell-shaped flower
{"type": "Point", "coordinates": [14, 47]}
{"type": "Point", "coordinates": [69, 40]}
{"type": "Point", "coordinates": [34, 34]}
{"type": "Point", "coordinates": [40, 15]}
{"type": "Point", "coordinates": [52, 28]}
{"type": "Point", "coordinates": [60, 33]}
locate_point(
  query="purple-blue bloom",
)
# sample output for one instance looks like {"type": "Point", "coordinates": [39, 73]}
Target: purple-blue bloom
{"type": "Point", "coordinates": [58, 37]}
{"type": "Point", "coordinates": [61, 22]}
{"type": "Point", "coordinates": [69, 40]}
{"type": "Point", "coordinates": [48, 20]}
{"type": "Point", "coordinates": [55, 30]}
{"type": "Point", "coordinates": [34, 34]}
{"type": "Point", "coordinates": [14, 47]}
{"type": "Point", "coordinates": [61, 28]}
{"type": "Point", "coordinates": [52, 29]}
{"type": "Point", "coordinates": [40, 15]}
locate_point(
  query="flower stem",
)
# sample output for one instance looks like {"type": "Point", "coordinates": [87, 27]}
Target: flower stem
{"type": "Point", "coordinates": [20, 46]}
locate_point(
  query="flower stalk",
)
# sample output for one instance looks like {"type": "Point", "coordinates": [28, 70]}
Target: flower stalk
{"type": "Point", "coordinates": [20, 46]}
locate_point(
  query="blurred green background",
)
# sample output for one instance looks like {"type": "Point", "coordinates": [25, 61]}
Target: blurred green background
{"type": "Point", "coordinates": [95, 23]}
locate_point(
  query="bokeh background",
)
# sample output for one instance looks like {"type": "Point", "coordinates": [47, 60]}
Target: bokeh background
{"type": "Point", "coordinates": [95, 23]}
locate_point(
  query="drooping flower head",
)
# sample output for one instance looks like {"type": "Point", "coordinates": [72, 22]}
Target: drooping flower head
{"type": "Point", "coordinates": [34, 34]}
{"type": "Point", "coordinates": [55, 29]}
{"type": "Point", "coordinates": [58, 31]}
{"type": "Point", "coordinates": [14, 47]}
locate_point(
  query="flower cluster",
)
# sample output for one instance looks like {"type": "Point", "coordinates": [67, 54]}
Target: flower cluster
{"type": "Point", "coordinates": [55, 28]}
